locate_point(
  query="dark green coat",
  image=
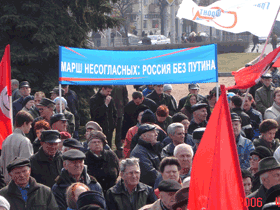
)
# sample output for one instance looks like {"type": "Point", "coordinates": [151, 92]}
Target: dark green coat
{"type": "Point", "coordinates": [40, 197]}
{"type": "Point", "coordinates": [260, 142]}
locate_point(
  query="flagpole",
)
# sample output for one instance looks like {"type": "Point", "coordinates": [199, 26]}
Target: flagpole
{"type": "Point", "coordinates": [60, 99]}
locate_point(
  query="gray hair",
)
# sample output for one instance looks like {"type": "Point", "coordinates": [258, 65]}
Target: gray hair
{"type": "Point", "coordinates": [129, 162]}
{"type": "Point", "coordinates": [172, 128]}
{"type": "Point", "coordinates": [264, 175]}
{"type": "Point", "coordinates": [15, 82]}
{"type": "Point", "coordinates": [183, 146]}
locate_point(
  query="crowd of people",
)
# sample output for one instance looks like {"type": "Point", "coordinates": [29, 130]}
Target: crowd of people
{"type": "Point", "coordinates": [45, 164]}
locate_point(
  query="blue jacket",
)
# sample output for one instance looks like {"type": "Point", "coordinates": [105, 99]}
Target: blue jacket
{"type": "Point", "coordinates": [244, 147]}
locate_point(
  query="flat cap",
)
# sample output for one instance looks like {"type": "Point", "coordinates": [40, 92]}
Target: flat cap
{"type": "Point", "coordinates": [145, 128]}
{"type": "Point", "coordinates": [93, 125]}
{"type": "Point", "coordinates": [266, 76]}
{"type": "Point", "coordinates": [57, 117]}
{"type": "Point", "coordinates": [73, 154]}
{"type": "Point", "coordinates": [50, 136]}
{"type": "Point", "coordinates": [45, 102]}
{"type": "Point", "coordinates": [194, 86]}
{"type": "Point", "coordinates": [198, 106]}
{"type": "Point", "coordinates": [24, 84]}
{"type": "Point", "coordinates": [235, 117]}
{"type": "Point", "coordinates": [169, 185]}
{"type": "Point", "coordinates": [197, 134]}
{"type": "Point", "coordinates": [71, 142]}
{"type": "Point", "coordinates": [18, 162]}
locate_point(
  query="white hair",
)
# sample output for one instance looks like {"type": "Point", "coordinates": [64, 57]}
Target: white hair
{"type": "Point", "coordinates": [183, 146]}
{"type": "Point", "coordinates": [264, 175]}
{"type": "Point", "coordinates": [129, 162]}
{"type": "Point", "coordinates": [172, 128]}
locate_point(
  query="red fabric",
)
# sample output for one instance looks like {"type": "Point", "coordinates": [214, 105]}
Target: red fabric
{"type": "Point", "coordinates": [277, 63]}
{"type": "Point", "coordinates": [246, 77]}
{"type": "Point", "coordinates": [5, 89]}
{"type": "Point", "coordinates": [216, 181]}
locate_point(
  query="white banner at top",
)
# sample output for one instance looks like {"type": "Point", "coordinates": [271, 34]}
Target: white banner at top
{"type": "Point", "coordinates": [236, 16]}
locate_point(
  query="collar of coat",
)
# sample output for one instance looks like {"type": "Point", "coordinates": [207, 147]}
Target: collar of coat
{"type": "Point", "coordinates": [103, 155]}
{"type": "Point", "coordinates": [18, 131]}
{"type": "Point", "coordinates": [119, 188]}
{"type": "Point", "coordinates": [13, 188]}
{"type": "Point", "coordinates": [42, 156]}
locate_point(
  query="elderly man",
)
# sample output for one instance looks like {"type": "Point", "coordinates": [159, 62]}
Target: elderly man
{"type": "Point", "coordinates": [73, 171]}
{"type": "Point", "coordinates": [176, 132]}
{"type": "Point", "coordinates": [58, 122]}
{"type": "Point", "coordinates": [167, 191]}
{"type": "Point", "coordinates": [23, 192]}
{"type": "Point", "coordinates": [129, 193]}
{"type": "Point", "coordinates": [184, 154]}
{"type": "Point", "coordinates": [46, 164]}
{"type": "Point", "coordinates": [160, 98]}
{"type": "Point", "coordinates": [146, 151]}
{"type": "Point", "coordinates": [199, 117]}
{"type": "Point", "coordinates": [244, 145]}
{"type": "Point", "coordinates": [17, 144]}
{"type": "Point", "coordinates": [264, 95]}
{"type": "Point", "coordinates": [269, 172]}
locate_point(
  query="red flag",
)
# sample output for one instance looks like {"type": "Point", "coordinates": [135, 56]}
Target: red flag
{"type": "Point", "coordinates": [5, 91]}
{"type": "Point", "coordinates": [216, 181]}
{"type": "Point", "coordinates": [248, 76]}
{"type": "Point", "coordinates": [277, 63]}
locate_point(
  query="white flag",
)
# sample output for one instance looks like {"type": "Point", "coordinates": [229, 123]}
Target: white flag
{"type": "Point", "coordinates": [236, 16]}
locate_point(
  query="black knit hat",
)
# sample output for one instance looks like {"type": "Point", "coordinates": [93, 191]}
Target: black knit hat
{"type": "Point", "coordinates": [179, 117]}
{"type": "Point", "coordinates": [148, 117]}
{"type": "Point", "coordinates": [26, 99]}
{"type": "Point", "coordinates": [91, 197]}
{"type": "Point", "coordinates": [262, 152]}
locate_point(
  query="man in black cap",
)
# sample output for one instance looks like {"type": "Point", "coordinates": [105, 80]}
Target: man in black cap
{"type": "Point", "coordinates": [25, 90]}
{"type": "Point", "coordinates": [199, 111]}
{"type": "Point", "coordinates": [148, 152]}
{"type": "Point", "coordinates": [23, 192]}
{"type": "Point", "coordinates": [167, 191]}
{"type": "Point", "coordinates": [73, 171]}
{"type": "Point", "coordinates": [71, 144]}
{"type": "Point", "coordinates": [181, 199]}
{"type": "Point", "coordinates": [91, 199]}
{"type": "Point", "coordinates": [244, 145]}
{"type": "Point", "coordinates": [264, 95]}
{"type": "Point", "coordinates": [46, 164]}
{"type": "Point", "coordinates": [269, 172]}
{"type": "Point", "coordinates": [58, 122]}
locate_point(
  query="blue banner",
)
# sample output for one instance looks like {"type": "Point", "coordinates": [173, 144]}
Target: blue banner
{"type": "Point", "coordinates": [101, 67]}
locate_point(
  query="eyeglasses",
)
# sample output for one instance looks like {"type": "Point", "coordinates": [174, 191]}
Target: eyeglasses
{"type": "Point", "coordinates": [254, 158]}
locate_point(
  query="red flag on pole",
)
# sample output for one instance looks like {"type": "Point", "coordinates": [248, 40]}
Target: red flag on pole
{"type": "Point", "coordinates": [216, 181]}
{"type": "Point", "coordinates": [5, 91]}
{"type": "Point", "coordinates": [248, 76]}
{"type": "Point", "coordinates": [277, 63]}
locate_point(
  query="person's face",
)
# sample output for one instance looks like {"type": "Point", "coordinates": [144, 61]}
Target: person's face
{"type": "Point", "coordinates": [272, 179]}
{"type": "Point", "coordinates": [161, 119]}
{"type": "Point", "coordinates": [88, 132]}
{"type": "Point", "coordinates": [96, 146]}
{"type": "Point", "coordinates": [236, 125]}
{"type": "Point", "coordinates": [79, 190]}
{"type": "Point", "coordinates": [200, 114]}
{"type": "Point", "coordinates": [106, 91]}
{"type": "Point", "coordinates": [151, 136]}
{"type": "Point", "coordinates": [184, 157]}
{"type": "Point", "coordinates": [267, 81]}
{"type": "Point", "coordinates": [140, 117]}
{"type": "Point", "coordinates": [44, 111]}
{"type": "Point", "coordinates": [168, 92]}
{"type": "Point", "coordinates": [30, 104]}
{"type": "Point", "coordinates": [269, 135]}
{"type": "Point", "coordinates": [26, 127]}
{"type": "Point", "coordinates": [138, 101]}
{"type": "Point", "coordinates": [247, 183]}
{"type": "Point", "coordinates": [38, 133]}
{"type": "Point", "coordinates": [37, 100]}
{"type": "Point", "coordinates": [50, 148]}
{"type": "Point", "coordinates": [277, 98]}
{"type": "Point", "coordinates": [193, 100]}
{"type": "Point", "coordinates": [186, 124]}
{"type": "Point", "coordinates": [179, 136]}
{"type": "Point", "coordinates": [25, 91]}
{"type": "Point", "coordinates": [167, 198]}
{"type": "Point", "coordinates": [193, 91]}
{"type": "Point", "coordinates": [170, 172]}
{"type": "Point", "coordinates": [53, 96]}
{"type": "Point", "coordinates": [20, 175]}
{"type": "Point", "coordinates": [231, 105]}
{"type": "Point", "coordinates": [131, 175]}
{"type": "Point", "coordinates": [247, 104]}
{"type": "Point", "coordinates": [254, 161]}
{"type": "Point", "coordinates": [57, 106]}
{"type": "Point", "coordinates": [74, 167]}
{"type": "Point", "coordinates": [66, 89]}
{"type": "Point", "coordinates": [158, 89]}
{"type": "Point", "coordinates": [60, 125]}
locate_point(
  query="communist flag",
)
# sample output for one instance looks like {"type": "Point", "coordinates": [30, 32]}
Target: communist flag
{"type": "Point", "coordinates": [248, 76]}
{"type": "Point", "coordinates": [5, 89]}
{"type": "Point", "coordinates": [216, 181]}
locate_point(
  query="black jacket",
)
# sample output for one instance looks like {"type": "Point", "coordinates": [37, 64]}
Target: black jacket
{"type": "Point", "coordinates": [45, 170]}
{"type": "Point", "coordinates": [245, 122]}
{"type": "Point", "coordinates": [194, 125]}
{"type": "Point", "coordinates": [73, 105]}
{"type": "Point", "coordinates": [258, 194]}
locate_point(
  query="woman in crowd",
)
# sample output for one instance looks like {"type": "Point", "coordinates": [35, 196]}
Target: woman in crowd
{"type": "Point", "coordinates": [72, 194]}
{"type": "Point", "coordinates": [28, 103]}
{"type": "Point", "coordinates": [190, 101]}
{"type": "Point", "coordinates": [102, 164]}
{"type": "Point", "coordinates": [162, 117]}
{"type": "Point", "coordinates": [39, 126]}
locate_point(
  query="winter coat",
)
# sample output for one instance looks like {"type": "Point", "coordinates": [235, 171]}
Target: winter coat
{"type": "Point", "coordinates": [244, 148]}
{"type": "Point", "coordinates": [272, 147]}
{"type": "Point", "coordinates": [154, 206]}
{"type": "Point", "coordinates": [260, 195]}
{"type": "Point", "coordinates": [128, 138]}
{"type": "Point", "coordinates": [45, 170]}
{"type": "Point", "coordinates": [193, 125]}
{"type": "Point", "coordinates": [165, 123]}
{"type": "Point", "coordinates": [264, 98]}
{"type": "Point", "coordinates": [40, 197]}
{"type": "Point", "coordinates": [73, 105]}
{"type": "Point", "coordinates": [34, 112]}
{"type": "Point", "coordinates": [17, 106]}
{"type": "Point", "coordinates": [65, 180]}
{"type": "Point", "coordinates": [255, 121]}
{"type": "Point", "coordinates": [273, 112]}
{"type": "Point", "coordinates": [117, 197]}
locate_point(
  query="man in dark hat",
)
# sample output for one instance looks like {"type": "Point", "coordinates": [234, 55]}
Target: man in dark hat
{"type": "Point", "coordinates": [269, 172]}
{"type": "Point", "coordinates": [71, 143]}
{"type": "Point", "coordinates": [264, 95]}
{"type": "Point", "coordinates": [199, 111]}
{"type": "Point", "coordinates": [23, 192]}
{"type": "Point", "coordinates": [167, 191]}
{"type": "Point", "coordinates": [91, 199]}
{"type": "Point", "coordinates": [58, 122]}
{"type": "Point", "coordinates": [46, 164]}
{"type": "Point", "coordinates": [147, 152]}
{"type": "Point", "coordinates": [73, 171]}
{"type": "Point", "coordinates": [181, 199]}
{"type": "Point", "coordinates": [244, 145]}
{"type": "Point", "coordinates": [25, 90]}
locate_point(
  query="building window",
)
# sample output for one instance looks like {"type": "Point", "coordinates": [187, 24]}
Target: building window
{"type": "Point", "coordinates": [145, 24]}
{"type": "Point", "coordinates": [155, 23]}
